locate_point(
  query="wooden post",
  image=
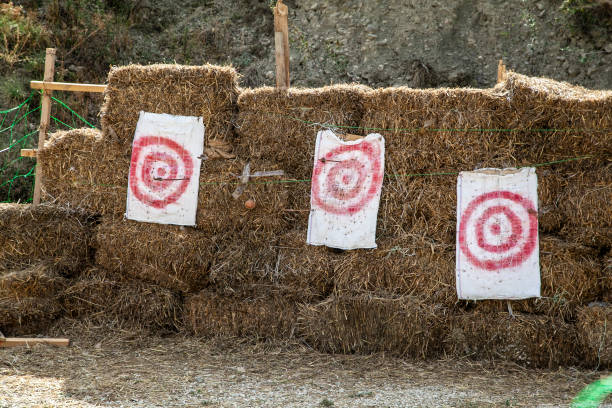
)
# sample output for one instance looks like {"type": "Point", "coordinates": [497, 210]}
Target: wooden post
{"type": "Point", "coordinates": [45, 117]}
{"type": "Point", "coordinates": [501, 71]}
{"type": "Point", "coordinates": [281, 44]}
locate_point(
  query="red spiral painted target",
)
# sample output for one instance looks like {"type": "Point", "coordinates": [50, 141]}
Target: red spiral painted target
{"type": "Point", "coordinates": [160, 171]}
{"type": "Point", "coordinates": [347, 178]}
{"type": "Point", "coordinates": [498, 230]}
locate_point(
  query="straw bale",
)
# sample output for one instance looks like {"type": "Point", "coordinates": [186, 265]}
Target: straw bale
{"type": "Point", "coordinates": [366, 324]}
{"type": "Point", "coordinates": [39, 280]}
{"type": "Point", "coordinates": [82, 170]}
{"type": "Point", "coordinates": [528, 340]}
{"type": "Point", "coordinates": [209, 91]}
{"type": "Point", "coordinates": [271, 123]}
{"type": "Point", "coordinates": [174, 257]}
{"type": "Point", "coordinates": [29, 234]}
{"type": "Point", "coordinates": [424, 129]}
{"type": "Point", "coordinates": [253, 264]}
{"type": "Point", "coordinates": [401, 266]}
{"type": "Point", "coordinates": [209, 314]}
{"type": "Point", "coordinates": [542, 103]}
{"type": "Point", "coordinates": [595, 333]}
{"type": "Point", "coordinates": [571, 276]}
{"type": "Point", "coordinates": [103, 296]}
{"type": "Point", "coordinates": [21, 315]}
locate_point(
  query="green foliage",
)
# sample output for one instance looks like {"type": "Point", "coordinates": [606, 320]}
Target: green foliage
{"type": "Point", "coordinates": [587, 14]}
{"type": "Point", "coordinates": [20, 34]}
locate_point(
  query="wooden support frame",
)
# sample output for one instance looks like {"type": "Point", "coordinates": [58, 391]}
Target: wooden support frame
{"type": "Point", "coordinates": [45, 117]}
{"type": "Point", "coordinates": [66, 86]}
{"type": "Point", "coordinates": [6, 342]}
{"type": "Point", "coordinates": [281, 44]}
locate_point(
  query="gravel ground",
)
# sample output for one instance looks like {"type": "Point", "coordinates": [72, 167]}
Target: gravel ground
{"type": "Point", "coordinates": [122, 371]}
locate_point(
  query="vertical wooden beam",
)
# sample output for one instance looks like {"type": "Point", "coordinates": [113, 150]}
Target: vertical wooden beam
{"type": "Point", "coordinates": [501, 71]}
{"type": "Point", "coordinates": [281, 44]}
{"type": "Point", "coordinates": [45, 117]}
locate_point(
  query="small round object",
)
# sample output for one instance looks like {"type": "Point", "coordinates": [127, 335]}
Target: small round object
{"type": "Point", "coordinates": [250, 204]}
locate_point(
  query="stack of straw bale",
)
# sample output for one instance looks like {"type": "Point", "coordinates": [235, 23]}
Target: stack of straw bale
{"type": "Point", "coordinates": [266, 317]}
{"type": "Point", "coordinates": [101, 296]}
{"type": "Point", "coordinates": [31, 234]}
{"type": "Point", "coordinates": [595, 332]}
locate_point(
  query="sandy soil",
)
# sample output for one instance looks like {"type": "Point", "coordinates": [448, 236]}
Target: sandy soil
{"type": "Point", "coordinates": [120, 370]}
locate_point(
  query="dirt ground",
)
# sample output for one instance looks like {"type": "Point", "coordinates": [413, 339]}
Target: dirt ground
{"type": "Point", "coordinates": [119, 369]}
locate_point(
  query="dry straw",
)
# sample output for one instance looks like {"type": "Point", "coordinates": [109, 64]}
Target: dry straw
{"type": "Point", "coordinates": [367, 324]}
{"type": "Point", "coordinates": [174, 257]}
{"type": "Point", "coordinates": [104, 297]}
{"type": "Point", "coordinates": [595, 331]}
{"type": "Point", "coordinates": [31, 234]}
{"type": "Point", "coordinates": [209, 314]}
{"type": "Point", "coordinates": [529, 340]}
{"type": "Point", "coordinates": [209, 91]}
{"type": "Point", "coordinates": [39, 280]}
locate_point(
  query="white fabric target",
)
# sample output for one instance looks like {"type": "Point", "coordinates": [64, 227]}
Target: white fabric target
{"type": "Point", "coordinates": [165, 169]}
{"type": "Point", "coordinates": [497, 234]}
{"type": "Point", "coordinates": [345, 191]}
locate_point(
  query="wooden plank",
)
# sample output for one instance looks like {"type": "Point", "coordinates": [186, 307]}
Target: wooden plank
{"type": "Point", "coordinates": [27, 341]}
{"type": "Point", "coordinates": [45, 116]}
{"type": "Point", "coordinates": [28, 152]}
{"type": "Point", "coordinates": [281, 44]}
{"type": "Point", "coordinates": [500, 71]}
{"type": "Point", "coordinates": [67, 86]}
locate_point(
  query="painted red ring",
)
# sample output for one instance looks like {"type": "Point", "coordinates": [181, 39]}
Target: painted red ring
{"type": "Point", "coordinates": [372, 153]}
{"type": "Point", "coordinates": [509, 261]}
{"type": "Point", "coordinates": [135, 179]}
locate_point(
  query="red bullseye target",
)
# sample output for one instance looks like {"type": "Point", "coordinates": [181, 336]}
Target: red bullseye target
{"type": "Point", "coordinates": [498, 230]}
{"type": "Point", "coordinates": [346, 178]}
{"type": "Point", "coordinates": [160, 171]}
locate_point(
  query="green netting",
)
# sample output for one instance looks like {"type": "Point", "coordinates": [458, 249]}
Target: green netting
{"type": "Point", "coordinates": [18, 130]}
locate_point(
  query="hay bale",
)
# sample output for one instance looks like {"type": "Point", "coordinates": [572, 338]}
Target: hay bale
{"type": "Point", "coordinates": [606, 282]}
{"type": "Point", "coordinates": [209, 314]}
{"type": "Point", "coordinates": [595, 334]}
{"type": "Point", "coordinates": [39, 280]}
{"type": "Point", "coordinates": [249, 265]}
{"type": "Point", "coordinates": [209, 91]}
{"type": "Point", "coordinates": [401, 266]}
{"type": "Point", "coordinates": [177, 258]}
{"type": "Point", "coordinates": [271, 120]}
{"type": "Point", "coordinates": [82, 170]}
{"type": "Point", "coordinates": [424, 129]}
{"type": "Point", "coordinates": [29, 234]}
{"type": "Point", "coordinates": [570, 277]}
{"type": "Point", "coordinates": [542, 103]}
{"type": "Point", "coordinates": [27, 315]}
{"type": "Point", "coordinates": [528, 340]}
{"type": "Point", "coordinates": [366, 324]}
{"type": "Point", "coordinates": [102, 296]}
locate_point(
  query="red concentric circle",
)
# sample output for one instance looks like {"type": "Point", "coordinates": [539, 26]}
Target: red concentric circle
{"type": "Point", "coordinates": [347, 178]}
{"type": "Point", "coordinates": [160, 171]}
{"type": "Point", "coordinates": [498, 230]}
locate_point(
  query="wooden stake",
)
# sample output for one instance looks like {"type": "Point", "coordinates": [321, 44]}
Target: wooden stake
{"type": "Point", "coordinates": [25, 341]}
{"type": "Point", "coordinates": [45, 117]}
{"type": "Point", "coordinates": [281, 44]}
{"type": "Point", "coordinates": [501, 71]}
